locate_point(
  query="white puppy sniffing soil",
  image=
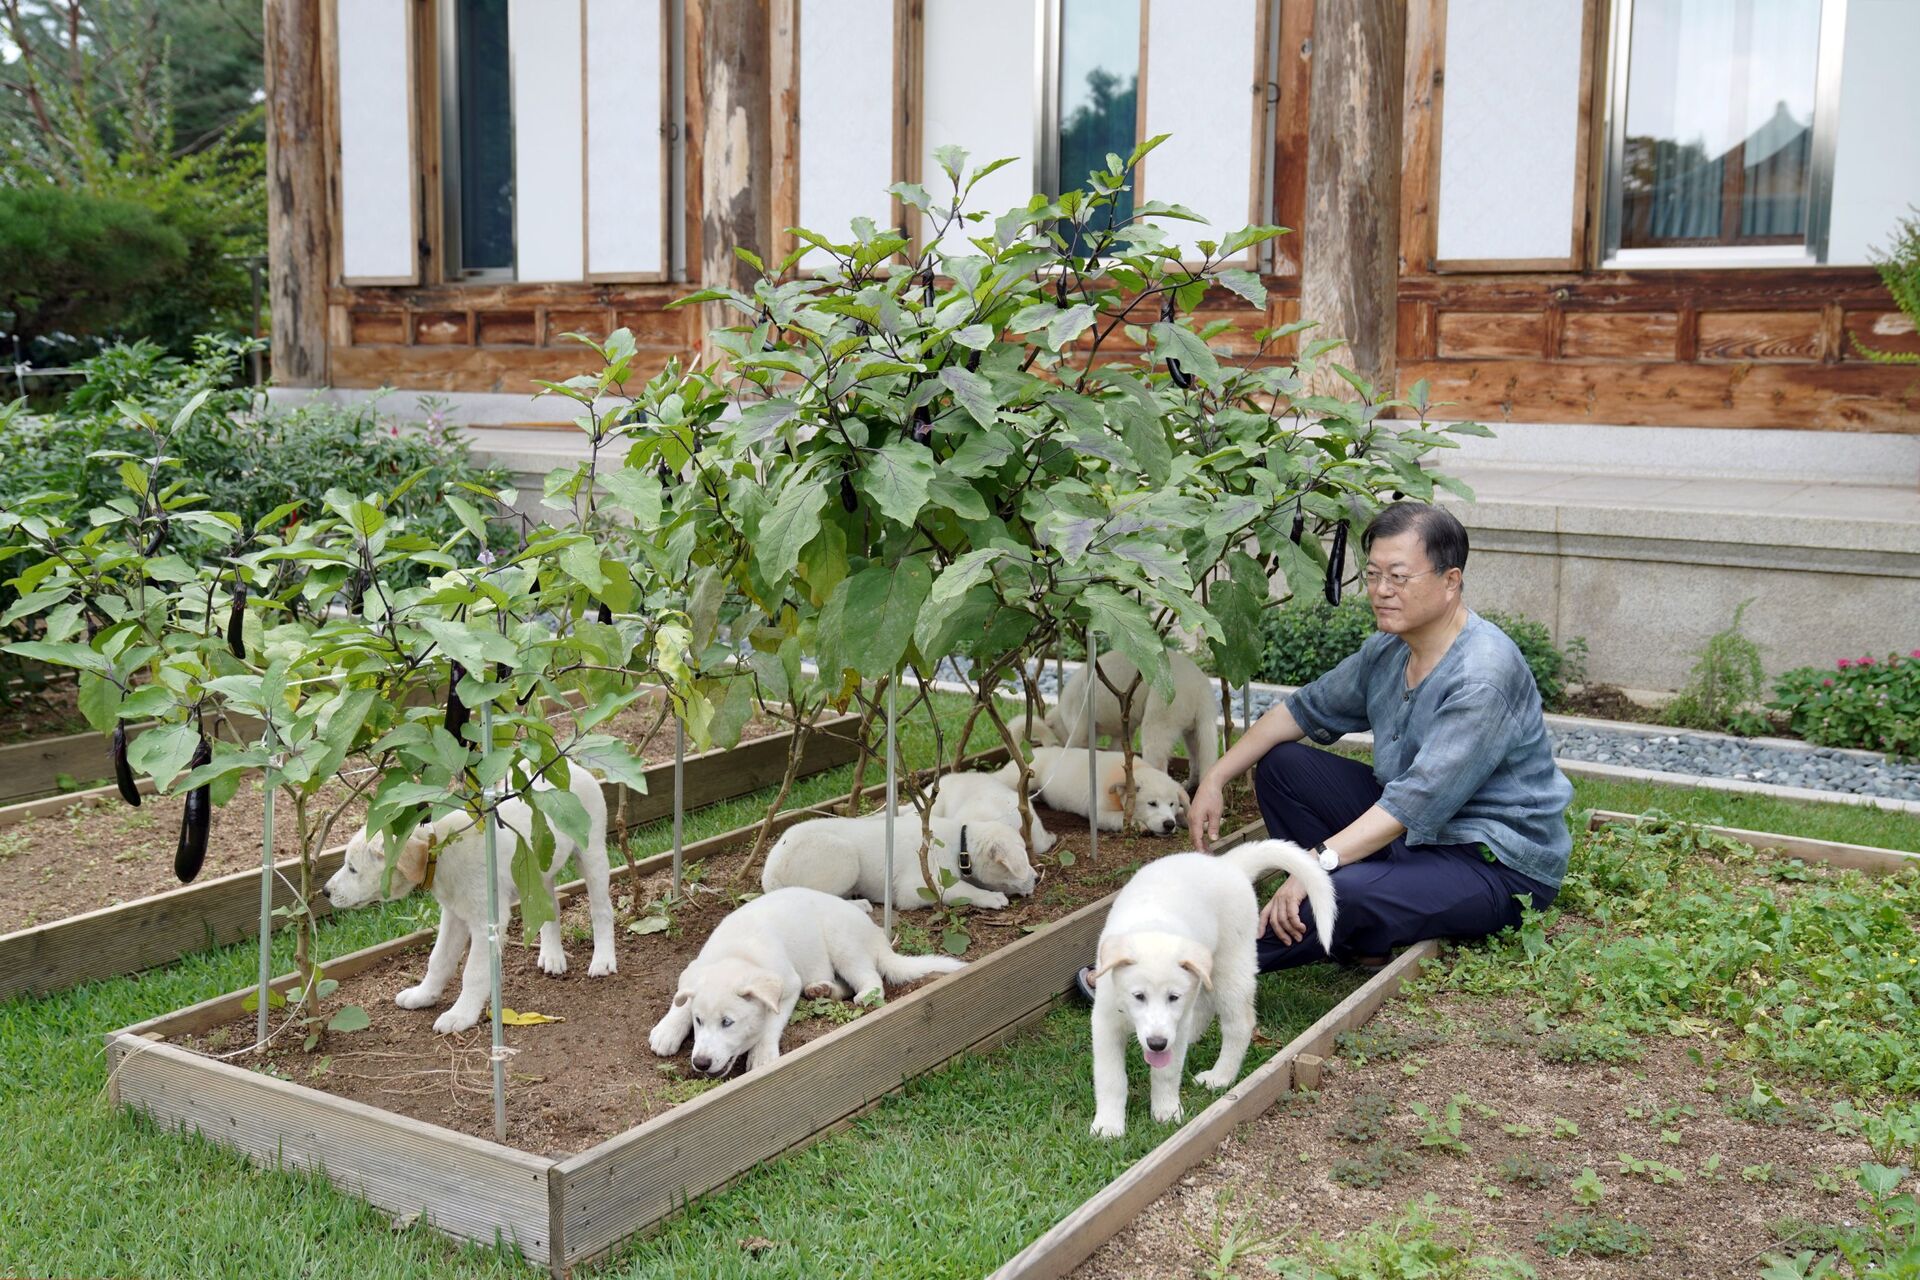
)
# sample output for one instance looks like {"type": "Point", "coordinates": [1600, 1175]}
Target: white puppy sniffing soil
{"type": "Point", "coordinates": [1192, 715]}
{"type": "Point", "coordinates": [1059, 777]}
{"type": "Point", "coordinates": [1177, 947]}
{"type": "Point", "coordinates": [449, 855]}
{"type": "Point", "coordinates": [983, 797]}
{"type": "Point", "coordinates": [986, 862]}
{"type": "Point", "coordinates": [739, 992]}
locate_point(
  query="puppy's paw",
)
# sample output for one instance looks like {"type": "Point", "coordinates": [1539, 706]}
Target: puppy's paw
{"type": "Point", "coordinates": [419, 997]}
{"type": "Point", "coordinates": [554, 962]}
{"type": "Point", "coordinates": [455, 1019]}
{"type": "Point", "coordinates": [988, 901]}
{"type": "Point", "coordinates": [603, 965]}
{"type": "Point", "coordinates": [1214, 1079]}
{"type": "Point", "coordinates": [1167, 1115]}
{"type": "Point", "coordinates": [1109, 1127]}
{"type": "Point", "coordinates": [818, 991]}
{"type": "Point", "coordinates": [757, 1059]}
{"type": "Point", "coordinates": [665, 1041]}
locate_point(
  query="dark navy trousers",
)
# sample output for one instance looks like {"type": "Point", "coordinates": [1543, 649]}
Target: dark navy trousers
{"type": "Point", "coordinates": [1394, 897]}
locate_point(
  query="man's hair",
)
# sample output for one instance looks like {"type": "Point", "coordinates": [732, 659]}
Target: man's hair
{"type": "Point", "coordinates": [1444, 537]}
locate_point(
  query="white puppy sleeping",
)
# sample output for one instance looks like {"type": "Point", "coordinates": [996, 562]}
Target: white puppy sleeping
{"type": "Point", "coordinates": [848, 857]}
{"type": "Point", "coordinates": [982, 797]}
{"type": "Point", "coordinates": [1179, 945]}
{"type": "Point", "coordinates": [1059, 777]}
{"type": "Point", "coordinates": [1192, 715]}
{"type": "Point", "coordinates": [739, 992]}
{"type": "Point", "coordinates": [449, 856]}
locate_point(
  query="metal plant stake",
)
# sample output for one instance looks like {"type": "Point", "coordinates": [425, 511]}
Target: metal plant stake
{"type": "Point", "coordinates": [1093, 757]}
{"type": "Point", "coordinates": [893, 800]}
{"type": "Point", "coordinates": [491, 797]}
{"type": "Point", "coordinates": [266, 893]}
{"type": "Point", "coordinates": [679, 796]}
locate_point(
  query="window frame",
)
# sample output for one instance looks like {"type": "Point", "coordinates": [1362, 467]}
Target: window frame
{"type": "Point", "coordinates": [1826, 107]}
{"type": "Point", "coordinates": [452, 269]}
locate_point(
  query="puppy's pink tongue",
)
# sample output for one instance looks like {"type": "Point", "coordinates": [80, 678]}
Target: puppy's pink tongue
{"type": "Point", "coordinates": [1158, 1057]}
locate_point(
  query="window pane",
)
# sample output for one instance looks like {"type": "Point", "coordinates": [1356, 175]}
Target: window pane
{"type": "Point", "coordinates": [1719, 122]}
{"type": "Point", "coordinates": [1099, 88]}
{"type": "Point", "coordinates": [485, 127]}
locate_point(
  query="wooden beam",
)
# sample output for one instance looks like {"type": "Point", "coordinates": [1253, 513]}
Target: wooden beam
{"type": "Point", "coordinates": [736, 150]}
{"type": "Point", "coordinates": [784, 86]}
{"type": "Point", "coordinates": [1292, 81]}
{"type": "Point", "coordinates": [295, 35]}
{"type": "Point", "coordinates": [1420, 147]}
{"type": "Point", "coordinates": [1352, 232]}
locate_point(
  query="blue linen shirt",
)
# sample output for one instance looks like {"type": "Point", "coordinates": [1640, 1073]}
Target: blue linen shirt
{"type": "Point", "coordinates": [1462, 758]}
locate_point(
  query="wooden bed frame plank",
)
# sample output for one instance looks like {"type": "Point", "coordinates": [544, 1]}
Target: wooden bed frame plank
{"type": "Point", "coordinates": [1075, 1238]}
{"type": "Point", "coordinates": [1858, 857]}
{"type": "Point", "coordinates": [159, 929]}
{"type": "Point", "coordinates": [464, 1186]}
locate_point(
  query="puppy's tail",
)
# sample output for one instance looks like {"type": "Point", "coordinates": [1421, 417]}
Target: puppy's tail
{"type": "Point", "coordinates": [896, 968]}
{"type": "Point", "coordinates": [1263, 857]}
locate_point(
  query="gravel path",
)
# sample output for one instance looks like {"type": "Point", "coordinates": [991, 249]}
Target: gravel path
{"type": "Point", "coordinates": [1814, 768]}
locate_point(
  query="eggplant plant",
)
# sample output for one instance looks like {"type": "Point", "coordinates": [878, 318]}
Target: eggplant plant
{"type": "Point", "coordinates": [296, 652]}
{"type": "Point", "coordinates": [1020, 427]}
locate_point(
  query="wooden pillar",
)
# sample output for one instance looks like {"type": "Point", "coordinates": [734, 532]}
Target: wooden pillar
{"type": "Point", "coordinates": [297, 205]}
{"type": "Point", "coordinates": [1351, 237]}
{"type": "Point", "coordinates": [731, 39]}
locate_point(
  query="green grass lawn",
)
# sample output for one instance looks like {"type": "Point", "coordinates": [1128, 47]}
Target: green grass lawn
{"type": "Point", "coordinates": [952, 1175]}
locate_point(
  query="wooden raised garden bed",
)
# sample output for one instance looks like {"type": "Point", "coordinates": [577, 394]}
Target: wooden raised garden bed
{"type": "Point", "coordinates": [1081, 1234]}
{"type": "Point", "coordinates": [574, 1201]}
{"type": "Point", "coordinates": [158, 928]}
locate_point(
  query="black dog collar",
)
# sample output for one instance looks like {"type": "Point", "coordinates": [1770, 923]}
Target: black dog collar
{"type": "Point", "coordinates": [966, 863]}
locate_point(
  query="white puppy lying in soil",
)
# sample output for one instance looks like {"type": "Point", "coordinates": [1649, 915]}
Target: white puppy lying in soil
{"type": "Point", "coordinates": [1179, 944]}
{"type": "Point", "coordinates": [1059, 777]}
{"type": "Point", "coordinates": [1191, 716]}
{"type": "Point", "coordinates": [982, 797]}
{"type": "Point", "coordinates": [848, 857]}
{"type": "Point", "coordinates": [739, 992]}
{"type": "Point", "coordinates": [449, 856]}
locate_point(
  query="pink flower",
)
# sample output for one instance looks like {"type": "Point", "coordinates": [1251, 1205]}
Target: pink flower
{"type": "Point", "coordinates": [1914, 654]}
{"type": "Point", "coordinates": [1828, 682]}
{"type": "Point", "coordinates": [1866, 662]}
{"type": "Point", "coordinates": [1844, 664]}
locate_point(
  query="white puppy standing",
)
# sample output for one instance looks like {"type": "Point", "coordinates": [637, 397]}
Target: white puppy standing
{"type": "Point", "coordinates": [1179, 945]}
{"type": "Point", "coordinates": [739, 992]}
{"type": "Point", "coordinates": [1058, 776]}
{"type": "Point", "coordinates": [1192, 715]}
{"type": "Point", "coordinates": [848, 857]}
{"type": "Point", "coordinates": [983, 797]}
{"type": "Point", "coordinates": [450, 855]}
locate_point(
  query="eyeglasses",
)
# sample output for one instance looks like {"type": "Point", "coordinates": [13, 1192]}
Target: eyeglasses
{"type": "Point", "coordinates": [1398, 581]}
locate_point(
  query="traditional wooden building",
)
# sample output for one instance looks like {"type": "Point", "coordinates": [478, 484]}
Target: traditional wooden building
{"type": "Point", "coordinates": [1633, 235]}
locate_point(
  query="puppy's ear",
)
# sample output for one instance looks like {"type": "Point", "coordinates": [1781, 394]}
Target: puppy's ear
{"type": "Point", "coordinates": [766, 990]}
{"type": "Point", "coordinates": [1111, 957]}
{"type": "Point", "coordinates": [412, 865]}
{"type": "Point", "coordinates": [1198, 961]}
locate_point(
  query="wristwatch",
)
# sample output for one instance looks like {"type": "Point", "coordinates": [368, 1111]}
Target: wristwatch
{"type": "Point", "coordinates": [1329, 860]}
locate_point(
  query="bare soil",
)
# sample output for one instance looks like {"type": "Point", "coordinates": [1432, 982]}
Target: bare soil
{"type": "Point", "coordinates": [43, 713]}
{"type": "Point", "coordinates": [575, 1083]}
{"type": "Point", "coordinates": [92, 855]}
{"type": "Point", "coordinates": [1272, 1177]}
{"type": "Point", "coordinates": [1607, 702]}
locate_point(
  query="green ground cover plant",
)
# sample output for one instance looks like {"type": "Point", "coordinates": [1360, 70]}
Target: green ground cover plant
{"type": "Point", "coordinates": [1868, 703]}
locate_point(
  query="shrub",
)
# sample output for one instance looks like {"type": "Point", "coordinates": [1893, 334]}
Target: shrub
{"type": "Point", "coordinates": [1899, 266]}
{"type": "Point", "coordinates": [1726, 684]}
{"type": "Point", "coordinates": [1302, 642]}
{"type": "Point", "coordinates": [74, 261]}
{"type": "Point", "coordinates": [1869, 703]}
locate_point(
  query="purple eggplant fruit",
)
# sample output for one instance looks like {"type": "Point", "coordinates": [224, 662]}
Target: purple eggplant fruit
{"type": "Point", "coordinates": [122, 771]}
{"type": "Point", "coordinates": [191, 853]}
{"type": "Point", "coordinates": [1336, 563]}
{"type": "Point", "coordinates": [236, 634]}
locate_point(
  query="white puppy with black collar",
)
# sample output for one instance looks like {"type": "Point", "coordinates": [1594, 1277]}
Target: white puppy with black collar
{"type": "Point", "coordinates": [1177, 947]}
{"type": "Point", "coordinates": [981, 864]}
{"type": "Point", "coordinates": [983, 797]}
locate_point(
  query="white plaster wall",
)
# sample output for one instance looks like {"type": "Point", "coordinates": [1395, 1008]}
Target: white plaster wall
{"type": "Point", "coordinates": [846, 113]}
{"type": "Point", "coordinates": [1876, 159]}
{"type": "Point", "coordinates": [549, 228]}
{"type": "Point", "coordinates": [978, 84]}
{"type": "Point", "coordinates": [1200, 89]}
{"type": "Point", "coordinates": [625, 234]}
{"type": "Point", "coordinates": [376, 146]}
{"type": "Point", "coordinates": [1509, 126]}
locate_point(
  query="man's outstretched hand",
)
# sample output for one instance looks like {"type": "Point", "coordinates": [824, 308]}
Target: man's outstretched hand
{"type": "Point", "coordinates": [1203, 815]}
